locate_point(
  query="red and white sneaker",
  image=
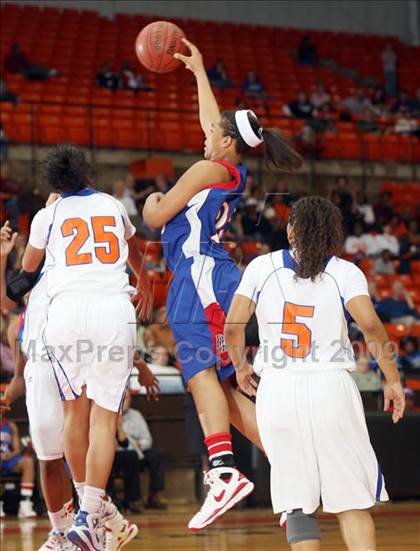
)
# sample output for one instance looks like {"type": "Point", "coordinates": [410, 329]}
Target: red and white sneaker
{"type": "Point", "coordinates": [224, 493]}
{"type": "Point", "coordinates": [115, 540]}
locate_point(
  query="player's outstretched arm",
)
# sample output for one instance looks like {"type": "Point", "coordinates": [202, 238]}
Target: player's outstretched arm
{"type": "Point", "coordinates": [159, 209]}
{"type": "Point", "coordinates": [240, 312]}
{"type": "Point", "coordinates": [363, 312]}
{"type": "Point", "coordinates": [209, 110]}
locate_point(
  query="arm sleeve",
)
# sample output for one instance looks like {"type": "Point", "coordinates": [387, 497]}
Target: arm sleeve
{"type": "Point", "coordinates": [145, 438]}
{"type": "Point", "coordinates": [355, 283]}
{"type": "Point", "coordinates": [40, 228]}
{"type": "Point", "coordinates": [249, 285]}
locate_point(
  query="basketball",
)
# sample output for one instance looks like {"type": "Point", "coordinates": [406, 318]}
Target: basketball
{"type": "Point", "coordinates": [156, 45]}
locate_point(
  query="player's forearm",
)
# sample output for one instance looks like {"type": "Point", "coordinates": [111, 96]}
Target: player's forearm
{"type": "Point", "coordinates": [208, 109]}
{"type": "Point", "coordinates": [137, 263]}
{"type": "Point", "coordinates": [235, 344]}
{"type": "Point", "coordinates": [382, 350]}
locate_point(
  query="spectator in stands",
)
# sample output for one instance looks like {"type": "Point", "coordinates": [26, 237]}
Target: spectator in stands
{"type": "Point", "coordinates": [159, 332]}
{"type": "Point", "coordinates": [413, 232]}
{"type": "Point", "coordinates": [162, 183]}
{"type": "Point", "coordinates": [6, 94]}
{"type": "Point", "coordinates": [408, 251]}
{"type": "Point", "coordinates": [414, 104]}
{"type": "Point", "coordinates": [383, 241]}
{"type": "Point", "coordinates": [159, 355]}
{"type": "Point", "coordinates": [366, 123]}
{"type": "Point", "coordinates": [122, 193]}
{"type": "Point", "coordinates": [11, 461]}
{"type": "Point", "coordinates": [126, 463]}
{"type": "Point", "coordinates": [105, 78]}
{"type": "Point", "coordinates": [307, 142]}
{"type": "Point", "coordinates": [383, 264]}
{"type": "Point", "coordinates": [402, 100]}
{"type": "Point", "coordinates": [324, 118]}
{"type": "Point", "coordinates": [399, 308]}
{"type": "Point", "coordinates": [357, 103]}
{"type": "Point", "coordinates": [359, 243]}
{"type": "Point", "coordinates": [254, 223]}
{"type": "Point", "coordinates": [17, 62]}
{"type": "Point", "coordinates": [300, 108]}
{"type": "Point", "coordinates": [252, 87]}
{"type": "Point", "coordinates": [320, 96]}
{"type": "Point", "coordinates": [130, 81]}
{"type": "Point", "coordinates": [378, 100]}
{"type": "Point", "coordinates": [389, 61]}
{"type": "Point", "coordinates": [366, 379]}
{"type": "Point", "coordinates": [218, 76]}
{"type": "Point", "coordinates": [363, 209]}
{"type": "Point", "coordinates": [345, 203]}
{"type": "Point", "coordinates": [384, 209]}
{"type": "Point", "coordinates": [410, 354]}
{"type": "Point", "coordinates": [150, 458]}
{"type": "Point", "coordinates": [405, 123]}
{"type": "Point", "coordinates": [306, 51]}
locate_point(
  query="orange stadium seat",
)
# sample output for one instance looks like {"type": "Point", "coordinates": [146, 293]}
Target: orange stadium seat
{"type": "Point", "coordinates": [397, 330]}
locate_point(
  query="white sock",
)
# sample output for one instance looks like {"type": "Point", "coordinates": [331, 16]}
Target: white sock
{"type": "Point", "coordinates": [114, 519]}
{"type": "Point", "coordinates": [58, 520]}
{"type": "Point", "coordinates": [92, 499]}
{"type": "Point", "coordinates": [79, 487]}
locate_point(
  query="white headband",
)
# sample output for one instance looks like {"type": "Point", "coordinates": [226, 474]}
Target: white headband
{"type": "Point", "coordinates": [245, 128]}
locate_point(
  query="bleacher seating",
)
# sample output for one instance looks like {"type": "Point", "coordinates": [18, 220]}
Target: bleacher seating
{"type": "Point", "coordinates": [165, 118]}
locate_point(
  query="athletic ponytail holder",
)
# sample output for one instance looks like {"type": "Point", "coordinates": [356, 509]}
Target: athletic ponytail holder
{"type": "Point", "coordinates": [245, 129]}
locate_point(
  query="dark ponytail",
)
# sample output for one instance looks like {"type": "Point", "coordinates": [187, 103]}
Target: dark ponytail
{"type": "Point", "coordinates": [317, 233]}
{"type": "Point", "coordinates": [279, 152]}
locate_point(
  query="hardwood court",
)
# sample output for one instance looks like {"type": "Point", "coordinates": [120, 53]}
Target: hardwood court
{"type": "Point", "coordinates": [398, 529]}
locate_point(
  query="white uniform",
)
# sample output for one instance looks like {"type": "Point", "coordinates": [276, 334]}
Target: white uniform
{"type": "Point", "coordinates": [45, 410]}
{"type": "Point", "coordinates": [91, 327]}
{"type": "Point", "coordinates": [309, 410]}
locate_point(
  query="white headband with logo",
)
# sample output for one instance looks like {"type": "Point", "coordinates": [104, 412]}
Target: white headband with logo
{"type": "Point", "coordinates": [245, 129]}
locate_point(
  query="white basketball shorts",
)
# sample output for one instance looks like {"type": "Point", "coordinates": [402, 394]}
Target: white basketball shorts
{"type": "Point", "coordinates": [45, 410]}
{"type": "Point", "coordinates": [314, 432]}
{"type": "Point", "coordinates": [91, 339]}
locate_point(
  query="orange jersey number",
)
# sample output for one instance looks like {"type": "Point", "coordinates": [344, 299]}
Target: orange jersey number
{"type": "Point", "coordinates": [299, 345]}
{"type": "Point", "coordinates": [109, 253]}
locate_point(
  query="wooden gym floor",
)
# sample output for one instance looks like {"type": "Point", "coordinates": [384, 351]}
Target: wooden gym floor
{"type": "Point", "coordinates": [398, 529]}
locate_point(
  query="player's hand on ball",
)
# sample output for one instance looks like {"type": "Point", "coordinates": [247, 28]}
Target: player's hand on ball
{"type": "Point", "coordinates": [394, 393]}
{"type": "Point", "coordinates": [246, 381]}
{"type": "Point", "coordinates": [194, 62]}
{"type": "Point", "coordinates": [147, 379]}
{"type": "Point", "coordinates": [7, 239]}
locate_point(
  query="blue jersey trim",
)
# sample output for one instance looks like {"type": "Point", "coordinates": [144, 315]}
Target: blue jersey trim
{"type": "Point", "coordinates": [379, 483]}
{"type": "Point", "coordinates": [81, 193]}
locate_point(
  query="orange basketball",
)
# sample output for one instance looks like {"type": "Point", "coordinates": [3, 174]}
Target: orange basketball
{"type": "Point", "coordinates": [156, 45]}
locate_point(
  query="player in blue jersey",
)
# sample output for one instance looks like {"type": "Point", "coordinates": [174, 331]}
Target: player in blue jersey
{"type": "Point", "coordinates": [194, 215]}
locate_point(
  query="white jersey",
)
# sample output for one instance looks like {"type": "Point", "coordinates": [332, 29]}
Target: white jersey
{"type": "Point", "coordinates": [34, 319]}
{"type": "Point", "coordinates": [302, 324]}
{"type": "Point", "coordinates": [86, 234]}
